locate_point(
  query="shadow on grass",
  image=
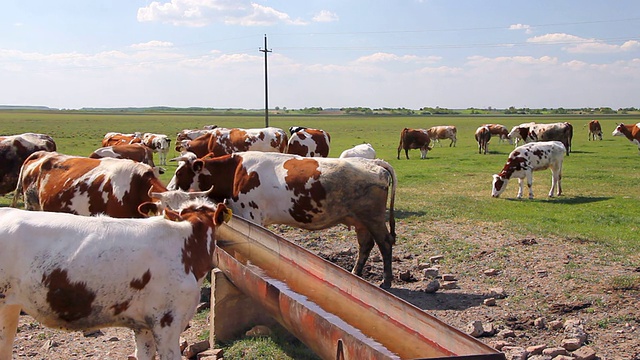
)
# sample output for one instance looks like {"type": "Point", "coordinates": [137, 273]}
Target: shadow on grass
{"type": "Point", "coordinates": [573, 200]}
{"type": "Point", "coordinates": [401, 214]}
{"type": "Point", "coordinates": [439, 300]}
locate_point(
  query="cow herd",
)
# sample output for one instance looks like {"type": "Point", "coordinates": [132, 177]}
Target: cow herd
{"type": "Point", "coordinates": [157, 261]}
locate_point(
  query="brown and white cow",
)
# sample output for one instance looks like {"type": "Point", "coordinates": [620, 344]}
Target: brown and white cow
{"type": "Point", "coordinates": [414, 139]}
{"type": "Point", "coordinates": [190, 134]}
{"type": "Point", "coordinates": [500, 131]}
{"type": "Point", "coordinates": [520, 133]}
{"type": "Point", "coordinates": [50, 181]}
{"type": "Point", "coordinates": [361, 150]}
{"type": "Point", "coordinates": [14, 149]}
{"type": "Point", "coordinates": [561, 131]}
{"type": "Point", "coordinates": [526, 159]}
{"type": "Point", "coordinates": [135, 152]}
{"type": "Point", "coordinates": [595, 130]}
{"type": "Point", "coordinates": [198, 146]}
{"type": "Point", "coordinates": [308, 142]}
{"type": "Point", "coordinates": [483, 135]}
{"type": "Point", "coordinates": [159, 143]}
{"type": "Point", "coordinates": [114, 139]}
{"type": "Point", "coordinates": [309, 193]}
{"type": "Point", "coordinates": [631, 132]}
{"type": "Point", "coordinates": [80, 273]}
{"type": "Point", "coordinates": [227, 141]}
{"type": "Point", "coordinates": [437, 133]}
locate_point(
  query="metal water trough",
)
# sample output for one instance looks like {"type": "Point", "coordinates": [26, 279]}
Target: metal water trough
{"type": "Point", "coordinates": [336, 314]}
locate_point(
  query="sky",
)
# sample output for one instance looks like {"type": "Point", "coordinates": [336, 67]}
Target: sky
{"type": "Point", "coordinates": [71, 54]}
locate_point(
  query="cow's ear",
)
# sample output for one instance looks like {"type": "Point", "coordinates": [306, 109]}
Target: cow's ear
{"type": "Point", "coordinates": [197, 165]}
{"type": "Point", "coordinates": [148, 209]}
{"type": "Point", "coordinates": [172, 215]}
{"type": "Point", "coordinates": [222, 214]}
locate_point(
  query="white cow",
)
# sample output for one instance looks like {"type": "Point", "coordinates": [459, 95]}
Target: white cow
{"type": "Point", "coordinates": [80, 273]}
{"type": "Point", "coordinates": [362, 150]}
{"type": "Point", "coordinates": [526, 159]}
{"type": "Point", "coordinates": [159, 143]}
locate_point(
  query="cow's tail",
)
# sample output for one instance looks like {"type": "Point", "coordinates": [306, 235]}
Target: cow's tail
{"type": "Point", "coordinates": [18, 190]}
{"type": "Point", "coordinates": [394, 182]}
{"type": "Point", "coordinates": [402, 134]}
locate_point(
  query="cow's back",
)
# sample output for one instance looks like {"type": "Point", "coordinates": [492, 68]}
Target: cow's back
{"type": "Point", "coordinates": [309, 142]}
{"type": "Point", "coordinates": [227, 141]}
{"type": "Point", "coordinates": [13, 152]}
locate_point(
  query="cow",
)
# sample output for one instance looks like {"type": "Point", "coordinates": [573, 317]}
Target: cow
{"type": "Point", "coordinates": [520, 132]}
{"type": "Point", "coordinates": [114, 139]}
{"type": "Point", "coordinates": [414, 139]}
{"type": "Point", "coordinates": [80, 273]}
{"type": "Point", "coordinates": [483, 135]}
{"type": "Point", "coordinates": [500, 131]}
{"type": "Point", "coordinates": [227, 141]}
{"type": "Point", "coordinates": [159, 143]}
{"type": "Point", "coordinates": [135, 152]}
{"type": "Point", "coordinates": [595, 130]}
{"type": "Point", "coordinates": [631, 132]}
{"type": "Point", "coordinates": [526, 159]}
{"type": "Point", "coordinates": [437, 133]}
{"type": "Point", "coordinates": [14, 149]}
{"type": "Point", "coordinates": [362, 150]}
{"type": "Point", "coordinates": [308, 142]}
{"type": "Point", "coordinates": [311, 193]}
{"type": "Point", "coordinates": [198, 146]}
{"type": "Point", "coordinates": [190, 134]}
{"type": "Point", "coordinates": [562, 131]}
{"type": "Point", "coordinates": [50, 181]}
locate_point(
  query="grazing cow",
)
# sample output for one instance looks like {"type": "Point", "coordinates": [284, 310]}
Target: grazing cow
{"type": "Point", "coordinates": [562, 132]}
{"type": "Point", "coordinates": [483, 135]}
{"type": "Point", "coordinates": [135, 152]}
{"type": "Point", "coordinates": [198, 146]}
{"type": "Point", "coordinates": [414, 139]}
{"type": "Point", "coordinates": [308, 142]}
{"type": "Point", "coordinates": [227, 141]}
{"type": "Point", "coordinates": [114, 139]}
{"type": "Point", "coordinates": [80, 273]}
{"type": "Point", "coordinates": [437, 133]}
{"type": "Point", "coordinates": [526, 159]}
{"type": "Point", "coordinates": [362, 150]}
{"type": "Point", "coordinates": [595, 130]}
{"type": "Point", "coordinates": [631, 132]}
{"type": "Point", "coordinates": [14, 149]}
{"type": "Point", "coordinates": [50, 181]}
{"type": "Point", "coordinates": [309, 193]}
{"type": "Point", "coordinates": [159, 143]}
{"type": "Point", "coordinates": [500, 131]}
{"type": "Point", "coordinates": [520, 132]}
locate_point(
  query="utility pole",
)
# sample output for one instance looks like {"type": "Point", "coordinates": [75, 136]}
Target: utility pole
{"type": "Point", "coordinates": [266, 83]}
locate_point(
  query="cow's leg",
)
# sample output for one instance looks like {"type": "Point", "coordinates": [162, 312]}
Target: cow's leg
{"type": "Point", "coordinates": [168, 340]}
{"type": "Point", "coordinates": [145, 345]}
{"type": "Point", "coordinates": [530, 183]}
{"type": "Point", "coordinates": [9, 316]}
{"type": "Point", "coordinates": [385, 241]}
{"type": "Point", "coordinates": [406, 153]}
{"type": "Point", "coordinates": [423, 153]}
{"type": "Point", "coordinates": [520, 187]}
{"type": "Point", "coordinates": [365, 244]}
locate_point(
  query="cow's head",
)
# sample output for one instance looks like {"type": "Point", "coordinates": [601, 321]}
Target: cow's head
{"type": "Point", "coordinates": [618, 131]}
{"type": "Point", "coordinates": [499, 185]}
{"type": "Point", "coordinates": [184, 171]}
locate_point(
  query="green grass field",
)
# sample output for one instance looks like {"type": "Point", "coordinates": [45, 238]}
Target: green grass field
{"type": "Point", "coordinates": [600, 179]}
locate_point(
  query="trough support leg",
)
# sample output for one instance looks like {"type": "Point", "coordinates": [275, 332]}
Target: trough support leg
{"type": "Point", "coordinates": [232, 312]}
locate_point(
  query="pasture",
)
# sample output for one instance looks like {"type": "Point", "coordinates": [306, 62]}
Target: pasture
{"type": "Point", "coordinates": [600, 178]}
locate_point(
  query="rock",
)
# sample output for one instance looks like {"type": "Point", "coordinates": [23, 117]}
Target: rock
{"type": "Point", "coordinates": [436, 258]}
{"type": "Point", "coordinates": [475, 328]}
{"type": "Point", "coordinates": [488, 329]}
{"type": "Point", "coordinates": [491, 272]}
{"type": "Point", "coordinates": [574, 329]}
{"type": "Point", "coordinates": [571, 344]}
{"type": "Point", "coordinates": [49, 344]}
{"type": "Point", "coordinates": [555, 324]}
{"type": "Point", "coordinates": [423, 266]}
{"type": "Point", "coordinates": [539, 357]}
{"type": "Point", "coordinates": [211, 354]}
{"type": "Point", "coordinates": [507, 333]}
{"type": "Point", "coordinates": [183, 344]}
{"type": "Point", "coordinates": [498, 345]}
{"type": "Point", "coordinates": [406, 276]}
{"type": "Point", "coordinates": [194, 349]}
{"type": "Point", "coordinates": [536, 349]}
{"type": "Point", "coordinates": [563, 357]}
{"type": "Point", "coordinates": [584, 353]}
{"type": "Point", "coordinates": [554, 351]}
{"type": "Point", "coordinates": [93, 333]}
{"type": "Point", "coordinates": [431, 272]}
{"type": "Point", "coordinates": [449, 277]}
{"type": "Point", "coordinates": [515, 353]}
{"type": "Point", "coordinates": [432, 286]}
{"type": "Point", "coordinates": [497, 293]}
{"type": "Point", "coordinates": [449, 285]}
{"type": "Point", "coordinates": [540, 323]}
{"type": "Point", "coordinates": [489, 302]}
{"type": "Point", "coordinates": [258, 330]}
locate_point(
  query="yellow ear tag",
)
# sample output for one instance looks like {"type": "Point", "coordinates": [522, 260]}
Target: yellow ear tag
{"type": "Point", "coordinates": [228, 214]}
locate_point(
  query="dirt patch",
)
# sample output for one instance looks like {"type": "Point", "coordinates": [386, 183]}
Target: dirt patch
{"type": "Point", "coordinates": [543, 280]}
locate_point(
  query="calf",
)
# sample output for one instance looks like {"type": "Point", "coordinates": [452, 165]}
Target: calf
{"type": "Point", "coordinates": [526, 159]}
{"type": "Point", "coordinates": [158, 143]}
{"type": "Point", "coordinates": [50, 181]}
{"type": "Point", "coordinates": [14, 149]}
{"type": "Point", "coordinates": [483, 135]}
{"type": "Point", "coordinates": [135, 152]}
{"type": "Point", "coordinates": [362, 150]}
{"type": "Point", "coordinates": [437, 133]}
{"type": "Point", "coordinates": [83, 273]}
{"type": "Point", "coordinates": [309, 193]}
{"type": "Point", "coordinates": [308, 142]}
{"type": "Point", "coordinates": [500, 131]}
{"type": "Point", "coordinates": [414, 139]}
{"type": "Point", "coordinates": [595, 130]}
{"type": "Point", "coordinates": [631, 132]}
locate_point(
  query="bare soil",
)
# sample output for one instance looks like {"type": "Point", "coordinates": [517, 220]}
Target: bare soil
{"type": "Point", "coordinates": [543, 278]}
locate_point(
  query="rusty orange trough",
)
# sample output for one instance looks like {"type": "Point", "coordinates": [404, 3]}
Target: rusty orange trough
{"type": "Point", "coordinates": [336, 314]}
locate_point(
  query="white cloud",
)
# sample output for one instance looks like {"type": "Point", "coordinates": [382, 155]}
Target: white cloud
{"type": "Point", "coordinates": [387, 57]}
{"type": "Point", "coordinates": [575, 44]}
{"type": "Point", "coordinates": [198, 13]}
{"type": "Point", "coordinates": [153, 44]}
{"type": "Point", "coordinates": [527, 29]}
{"type": "Point", "coordinates": [325, 16]}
